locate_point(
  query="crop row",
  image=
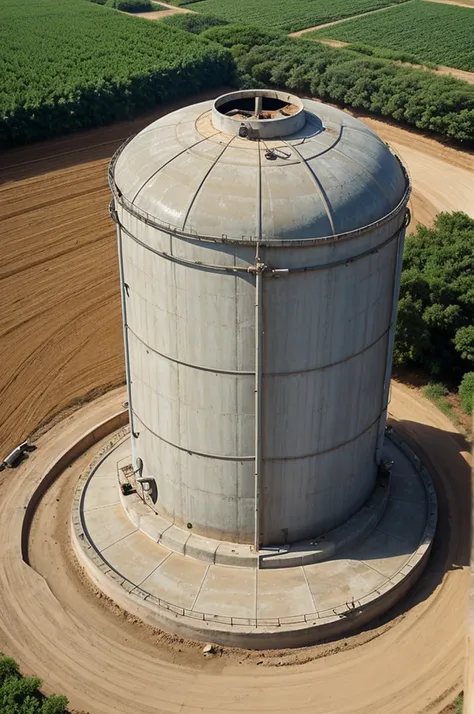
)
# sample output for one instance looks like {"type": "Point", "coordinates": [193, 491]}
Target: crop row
{"type": "Point", "coordinates": [433, 32]}
{"type": "Point", "coordinates": [73, 64]}
{"type": "Point", "coordinates": [284, 15]}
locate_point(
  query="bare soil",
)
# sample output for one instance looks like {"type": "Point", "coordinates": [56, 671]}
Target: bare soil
{"type": "Point", "coordinates": [159, 14]}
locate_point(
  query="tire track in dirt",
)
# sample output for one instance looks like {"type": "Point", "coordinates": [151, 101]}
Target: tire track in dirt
{"type": "Point", "coordinates": [108, 663]}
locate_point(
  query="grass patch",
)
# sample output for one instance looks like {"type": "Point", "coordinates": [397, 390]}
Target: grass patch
{"type": "Point", "coordinates": [438, 394]}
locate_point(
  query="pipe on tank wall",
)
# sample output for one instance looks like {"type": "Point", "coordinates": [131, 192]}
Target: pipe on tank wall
{"type": "Point", "coordinates": [391, 338]}
{"type": "Point", "coordinates": [125, 339]}
{"type": "Point", "coordinates": [258, 397]}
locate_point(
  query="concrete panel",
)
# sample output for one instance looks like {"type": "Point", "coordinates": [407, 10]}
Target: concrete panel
{"type": "Point", "coordinates": [283, 593]}
{"type": "Point", "coordinates": [229, 592]}
{"type": "Point", "coordinates": [177, 574]}
{"type": "Point", "coordinates": [397, 517]}
{"type": "Point", "coordinates": [382, 552]}
{"type": "Point", "coordinates": [97, 496]}
{"type": "Point", "coordinates": [136, 556]}
{"type": "Point", "coordinates": [108, 525]}
{"type": "Point", "coordinates": [348, 578]}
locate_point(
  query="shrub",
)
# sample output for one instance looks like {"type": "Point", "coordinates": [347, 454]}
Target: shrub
{"type": "Point", "coordinates": [81, 65]}
{"type": "Point", "coordinates": [192, 22]}
{"type": "Point", "coordinates": [436, 308]}
{"type": "Point", "coordinates": [21, 695]}
{"type": "Point", "coordinates": [130, 5]}
{"type": "Point", "coordinates": [466, 392]}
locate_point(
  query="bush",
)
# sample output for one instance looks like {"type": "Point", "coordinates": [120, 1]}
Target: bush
{"type": "Point", "coordinates": [80, 65]}
{"type": "Point", "coordinates": [466, 393]}
{"type": "Point", "coordinates": [130, 5]}
{"type": "Point", "coordinates": [21, 695]}
{"type": "Point", "coordinates": [434, 391]}
{"type": "Point", "coordinates": [192, 22]}
{"type": "Point", "coordinates": [436, 308]}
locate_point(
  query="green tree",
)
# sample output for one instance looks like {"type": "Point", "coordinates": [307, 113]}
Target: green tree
{"type": "Point", "coordinates": [464, 342]}
{"type": "Point", "coordinates": [21, 695]}
{"type": "Point", "coordinates": [466, 392]}
{"type": "Point", "coordinates": [436, 310]}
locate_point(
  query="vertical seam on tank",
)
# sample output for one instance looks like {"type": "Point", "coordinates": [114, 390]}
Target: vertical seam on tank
{"type": "Point", "coordinates": [256, 590]}
{"type": "Point", "coordinates": [160, 168]}
{"type": "Point", "coordinates": [392, 325]}
{"type": "Point", "coordinates": [237, 405]}
{"type": "Point", "coordinates": [203, 181]}
{"type": "Point", "coordinates": [258, 523]}
{"type": "Point", "coordinates": [178, 405]}
{"type": "Point", "coordinates": [318, 184]}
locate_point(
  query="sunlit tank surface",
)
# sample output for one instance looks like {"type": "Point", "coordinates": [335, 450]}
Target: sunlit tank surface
{"type": "Point", "coordinates": [260, 243]}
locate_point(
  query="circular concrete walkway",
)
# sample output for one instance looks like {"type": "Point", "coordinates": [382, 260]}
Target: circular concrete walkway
{"type": "Point", "coordinates": [250, 606]}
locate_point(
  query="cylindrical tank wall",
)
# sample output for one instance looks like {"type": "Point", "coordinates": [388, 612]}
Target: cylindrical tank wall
{"type": "Point", "coordinates": [191, 336]}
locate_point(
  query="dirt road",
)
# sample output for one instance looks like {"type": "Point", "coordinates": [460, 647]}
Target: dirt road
{"type": "Point", "coordinates": [338, 22]}
{"type": "Point", "coordinates": [159, 14]}
{"type": "Point", "coordinates": [107, 664]}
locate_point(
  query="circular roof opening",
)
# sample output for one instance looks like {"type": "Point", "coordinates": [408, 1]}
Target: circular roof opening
{"type": "Point", "coordinates": [258, 114]}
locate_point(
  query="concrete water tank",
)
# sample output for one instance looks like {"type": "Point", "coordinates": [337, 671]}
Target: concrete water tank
{"type": "Point", "coordinates": [260, 245]}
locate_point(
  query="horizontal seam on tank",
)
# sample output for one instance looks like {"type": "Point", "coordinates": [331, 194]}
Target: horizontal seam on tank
{"type": "Point", "coordinates": [250, 373]}
{"type": "Point", "coordinates": [251, 240]}
{"type": "Point", "coordinates": [268, 272]}
{"type": "Point", "coordinates": [325, 451]}
{"type": "Point", "coordinates": [333, 364]}
{"type": "Point", "coordinates": [188, 364]}
{"type": "Point", "coordinates": [193, 452]}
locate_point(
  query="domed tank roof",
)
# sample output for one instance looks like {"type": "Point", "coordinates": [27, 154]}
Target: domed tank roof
{"type": "Point", "coordinates": [259, 164]}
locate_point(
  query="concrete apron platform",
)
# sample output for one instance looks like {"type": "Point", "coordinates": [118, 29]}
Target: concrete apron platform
{"type": "Point", "coordinates": [240, 604]}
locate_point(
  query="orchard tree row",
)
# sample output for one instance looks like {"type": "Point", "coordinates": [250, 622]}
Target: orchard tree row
{"type": "Point", "coordinates": [414, 97]}
{"type": "Point", "coordinates": [77, 64]}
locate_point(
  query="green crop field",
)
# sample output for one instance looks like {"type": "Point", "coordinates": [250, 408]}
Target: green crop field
{"type": "Point", "coordinates": [284, 15]}
{"type": "Point", "coordinates": [68, 64]}
{"type": "Point", "coordinates": [432, 32]}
